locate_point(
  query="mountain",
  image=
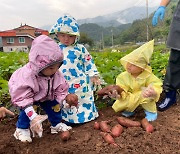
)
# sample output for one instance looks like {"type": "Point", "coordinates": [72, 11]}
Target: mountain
{"type": "Point", "coordinates": [134, 31]}
{"type": "Point", "coordinates": [95, 32]}
{"type": "Point", "coordinates": [115, 19]}
{"type": "Point", "coordinates": [120, 17]}
{"type": "Point", "coordinates": [110, 24]}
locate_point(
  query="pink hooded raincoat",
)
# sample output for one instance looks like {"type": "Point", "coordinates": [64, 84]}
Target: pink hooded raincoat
{"type": "Point", "coordinates": [27, 85]}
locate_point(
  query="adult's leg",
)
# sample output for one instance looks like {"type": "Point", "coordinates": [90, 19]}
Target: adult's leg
{"type": "Point", "coordinates": [171, 81]}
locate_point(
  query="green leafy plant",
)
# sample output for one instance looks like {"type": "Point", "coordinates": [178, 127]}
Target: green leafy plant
{"type": "Point", "coordinates": [107, 62]}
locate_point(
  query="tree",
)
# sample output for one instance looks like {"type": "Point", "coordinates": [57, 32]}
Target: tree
{"type": "Point", "coordinates": [84, 39]}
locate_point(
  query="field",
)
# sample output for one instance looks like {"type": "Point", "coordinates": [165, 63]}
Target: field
{"type": "Point", "coordinates": [84, 138]}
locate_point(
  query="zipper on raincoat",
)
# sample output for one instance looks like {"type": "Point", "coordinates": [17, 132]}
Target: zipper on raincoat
{"type": "Point", "coordinates": [48, 88]}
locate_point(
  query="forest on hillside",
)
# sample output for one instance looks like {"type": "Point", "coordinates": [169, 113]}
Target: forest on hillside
{"type": "Point", "coordinates": [128, 33]}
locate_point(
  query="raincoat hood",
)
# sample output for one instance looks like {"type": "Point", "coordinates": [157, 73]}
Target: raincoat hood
{"type": "Point", "coordinates": [66, 24]}
{"type": "Point", "coordinates": [44, 52]}
{"type": "Point", "coordinates": [140, 56]}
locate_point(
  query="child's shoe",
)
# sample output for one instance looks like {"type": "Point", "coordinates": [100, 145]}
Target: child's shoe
{"type": "Point", "coordinates": [150, 116]}
{"type": "Point", "coordinates": [60, 127]}
{"type": "Point", "coordinates": [127, 114]}
{"type": "Point", "coordinates": [23, 135]}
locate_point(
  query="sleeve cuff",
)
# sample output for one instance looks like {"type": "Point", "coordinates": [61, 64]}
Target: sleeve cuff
{"type": "Point", "coordinates": [30, 112]}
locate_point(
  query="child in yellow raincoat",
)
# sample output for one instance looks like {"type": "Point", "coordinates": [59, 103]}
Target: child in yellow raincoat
{"type": "Point", "coordinates": [137, 86]}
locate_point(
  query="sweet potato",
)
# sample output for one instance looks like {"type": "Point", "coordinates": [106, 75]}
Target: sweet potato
{"type": "Point", "coordinates": [109, 88]}
{"type": "Point", "coordinates": [72, 100]}
{"type": "Point", "coordinates": [104, 91]}
{"type": "Point", "coordinates": [108, 138]}
{"type": "Point", "coordinates": [65, 135]}
{"type": "Point", "coordinates": [96, 125]}
{"type": "Point", "coordinates": [116, 130]}
{"type": "Point", "coordinates": [128, 122]}
{"type": "Point", "coordinates": [147, 126]}
{"type": "Point", "coordinates": [104, 126]}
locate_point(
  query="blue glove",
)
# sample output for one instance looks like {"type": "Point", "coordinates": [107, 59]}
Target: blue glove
{"type": "Point", "coordinates": [158, 14]}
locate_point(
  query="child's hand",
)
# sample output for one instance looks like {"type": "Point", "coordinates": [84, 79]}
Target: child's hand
{"type": "Point", "coordinates": [113, 91]}
{"type": "Point", "coordinates": [36, 125]}
{"type": "Point", "coordinates": [4, 112]}
{"type": "Point", "coordinates": [95, 80]}
{"type": "Point", "coordinates": [149, 92]}
{"type": "Point", "coordinates": [72, 100]}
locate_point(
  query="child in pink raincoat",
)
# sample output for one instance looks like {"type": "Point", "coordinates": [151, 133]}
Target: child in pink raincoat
{"type": "Point", "coordinates": [40, 82]}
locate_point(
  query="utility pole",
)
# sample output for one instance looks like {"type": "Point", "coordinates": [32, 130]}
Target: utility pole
{"type": "Point", "coordinates": [147, 16]}
{"type": "Point", "coordinates": [112, 38]}
{"type": "Point", "coordinates": [102, 41]}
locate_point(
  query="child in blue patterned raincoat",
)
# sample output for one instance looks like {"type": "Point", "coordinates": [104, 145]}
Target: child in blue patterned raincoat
{"type": "Point", "coordinates": [78, 69]}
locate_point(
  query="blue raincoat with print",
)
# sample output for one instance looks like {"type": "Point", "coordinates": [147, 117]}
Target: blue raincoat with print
{"type": "Point", "coordinates": [78, 67]}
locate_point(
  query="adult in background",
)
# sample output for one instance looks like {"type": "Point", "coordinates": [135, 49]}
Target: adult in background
{"type": "Point", "coordinates": [171, 80]}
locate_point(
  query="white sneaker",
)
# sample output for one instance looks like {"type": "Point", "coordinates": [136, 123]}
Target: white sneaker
{"type": "Point", "coordinates": [60, 127]}
{"type": "Point", "coordinates": [23, 135]}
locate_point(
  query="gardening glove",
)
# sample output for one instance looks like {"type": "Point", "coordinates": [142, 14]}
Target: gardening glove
{"type": "Point", "coordinates": [36, 125]}
{"type": "Point", "coordinates": [95, 80]}
{"type": "Point", "coordinates": [149, 92]}
{"type": "Point", "coordinates": [72, 100]}
{"type": "Point", "coordinates": [96, 83]}
{"type": "Point", "coordinates": [113, 91]}
{"type": "Point", "coordinates": [158, 14]}
{"type": "Point", "coordinates": [35, 121]}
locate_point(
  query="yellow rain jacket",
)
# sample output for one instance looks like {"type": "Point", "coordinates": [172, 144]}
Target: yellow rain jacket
{"type": "Point", "coordinates": [133, 87]}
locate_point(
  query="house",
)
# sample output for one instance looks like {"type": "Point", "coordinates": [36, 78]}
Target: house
{"type": "Point", "coordinates": [19, 39]}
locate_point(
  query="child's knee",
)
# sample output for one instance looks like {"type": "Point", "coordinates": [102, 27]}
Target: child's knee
{"type": "Point", "coordinates": [56, 108]}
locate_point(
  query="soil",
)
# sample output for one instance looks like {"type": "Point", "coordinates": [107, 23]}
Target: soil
{"type": "Point", "coordinates": [85, 139]}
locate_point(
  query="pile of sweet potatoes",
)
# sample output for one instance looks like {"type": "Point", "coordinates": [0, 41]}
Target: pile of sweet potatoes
{"type": "Point", "coordinates": [110, 132]}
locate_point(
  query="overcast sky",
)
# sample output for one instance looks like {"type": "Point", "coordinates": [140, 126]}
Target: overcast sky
{"type": "Point", "coordinates": [38, 13]}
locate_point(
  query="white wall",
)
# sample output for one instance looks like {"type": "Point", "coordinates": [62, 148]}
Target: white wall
{"type": "Point", "coordinates": [15, 48]}
{"type": "Point", "coordinates": [0, 41]}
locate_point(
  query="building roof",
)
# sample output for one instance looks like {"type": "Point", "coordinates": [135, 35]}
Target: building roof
{"type": "Point", "coordinates": [23, 30]}
{"type": "Point", "coordinates": [8, 33]}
